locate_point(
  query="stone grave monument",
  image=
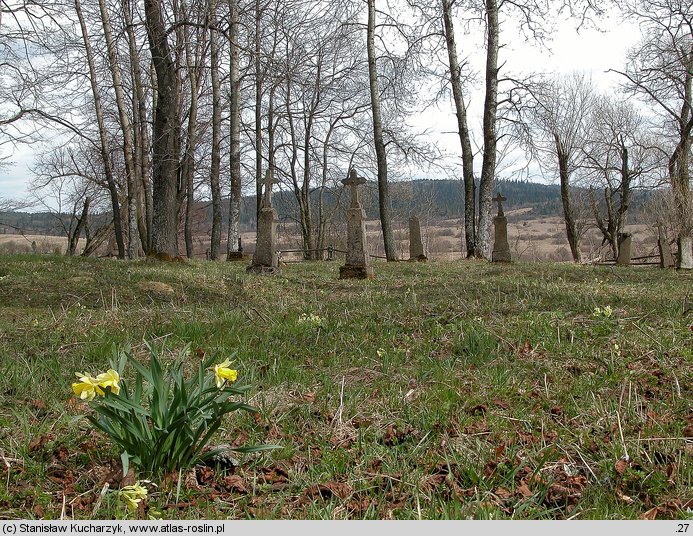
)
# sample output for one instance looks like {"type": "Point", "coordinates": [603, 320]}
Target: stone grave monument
{"type": "Point", "coordinates": [416, 249]}
{"type": "Point", "coordinates": [625, 241]}
{"type": "Point", "coordinates": [666, 259]}
{"type": "Point", "coordinates": [357, 257]}
{"type": "Point", "coordinates": [501, 248]}
{"type": "Point", "coordinates": [265, 258]}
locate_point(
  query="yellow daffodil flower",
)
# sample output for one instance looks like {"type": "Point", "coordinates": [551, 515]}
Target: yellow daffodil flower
{"type": "Point", "coordinates": [132, 495]}
{"type": "Point", "coordinates": [222, 373]}
{"type": "Point", "coordinates": [109, 379]}
{"type": "Point", "coordinates": [87, 387]}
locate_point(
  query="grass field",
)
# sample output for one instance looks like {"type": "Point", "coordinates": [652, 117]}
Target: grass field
{"type": "Point", "coordinates": [441, 390]}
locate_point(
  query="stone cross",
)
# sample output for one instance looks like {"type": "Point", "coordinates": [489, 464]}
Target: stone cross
{"type": "Point", "coordinates": [357, 247]}
{"type": "Point", "coordinates": [265, 258]}
{"type": "Point", "coordinates": [269, 181]}
{"type": "Point", "coordinates": [353, 180]}
{"type": "Point", "coordinates": [499, 199]}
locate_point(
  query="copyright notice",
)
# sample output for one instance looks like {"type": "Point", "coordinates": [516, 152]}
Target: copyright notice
{"type": "Point", "coordinates": [106, 527]}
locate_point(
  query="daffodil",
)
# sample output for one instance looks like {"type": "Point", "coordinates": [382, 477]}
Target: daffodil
{"type": "Point", "coordinates": [132, 495]}
{"type": "Point", "coordinates": [222, 373]}
{"type": "Point", "coordinates": [111, 379]}
{"type": "Point", "coordinates": [87, 387]}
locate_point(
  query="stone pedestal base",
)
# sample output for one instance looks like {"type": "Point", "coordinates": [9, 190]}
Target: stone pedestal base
{"type": "Point", "coordinates": [265, 246]}
{"type": "Point", "coordinates": [350, 271]}
{"type": "Point", "coordinates": [261, 269]}
{"type": "Point", "coordinates": [237, 256]}
{"type": "Point", "coordinates": [501, 248]}
{"type": "Point", "coordinates": [501, 256]}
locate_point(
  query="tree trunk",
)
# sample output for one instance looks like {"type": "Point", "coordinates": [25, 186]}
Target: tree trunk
{"type": "Point", "coordinates": [482, 246]}
{"type": "Point", "coordinates": [193, 61]}
{"type": "Point", "coordinates": [165, 134]}
{"type": "Point", "coordinates": [463, 131]}
{"type": "Point", "coordinates": [258, 111]}
{"type": "Point", "coordinates": [234, 231]}
{"type": "Point", "coordinates": [568, 213]}
{"type": "Point", "coordinates": [81, 224]}
{"type": "Point", "coordinates": [680, 174]}
{"type": "Point", "coordinates": [126, 128]}
{"type": "Point", "coordinates": [140, 137]}
{"type": "Point", "coordinates": [380, 151]}
{"type": "Point", "coordinates": [215, 165]}
{"type": "Point", "coordinates": [104, 144]}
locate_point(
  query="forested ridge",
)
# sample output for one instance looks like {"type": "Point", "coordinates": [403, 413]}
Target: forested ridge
{"type": "Point", "coordinates": [434, 199]}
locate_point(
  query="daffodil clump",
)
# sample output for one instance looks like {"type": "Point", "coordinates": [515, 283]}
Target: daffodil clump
{"type": "Point", "coordinates": [163, 421]}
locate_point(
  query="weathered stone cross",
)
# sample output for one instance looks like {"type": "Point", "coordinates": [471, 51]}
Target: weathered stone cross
{"type": "Point", "coordinates": [269, 181]}
{"type": "Point", "coordinates": [353, 180]}
{"type": "Point", "coordinates": [499, 199]}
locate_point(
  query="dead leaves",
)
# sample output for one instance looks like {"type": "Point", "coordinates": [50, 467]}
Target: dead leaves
{"type": "Point", "coordinates": [674, 509]}
{"type": "Point", "coordinates": [395, 436]}
{"type": "Point", "coordinates": [621, 465]}
{"type": "Point", "coordinates": [234, 484]}
{"type": "Point", "coordinates": [37, 444]}
{"type": "Point", "coordinates": [328, 490]}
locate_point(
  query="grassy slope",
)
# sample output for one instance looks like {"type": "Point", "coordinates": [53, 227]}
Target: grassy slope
{"type": "Point", "coordinates": [440, 390]}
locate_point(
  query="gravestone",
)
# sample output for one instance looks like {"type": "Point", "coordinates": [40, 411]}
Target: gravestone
{"type": "Point", "coordinates": [265, 258]}
{"type": "Point", "coordinates": [416, 249]}
{"type": "Point", "coordinates": [357, 257]}
{"type": "Point", "coordinates": [666, 259]}
{"type": "Point", "coordinates": [501, 248]}
{"type": "Point", "coordinates": [624, 249]}
{"type": "Point", "coordinates": [685, 260]}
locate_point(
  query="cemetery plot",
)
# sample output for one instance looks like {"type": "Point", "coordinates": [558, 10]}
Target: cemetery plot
{"type": "Point", "coordinates": [439, 390]}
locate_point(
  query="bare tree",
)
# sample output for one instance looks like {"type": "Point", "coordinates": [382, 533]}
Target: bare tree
{"type": "Point", "coordinates": [618, 157]}
{"type": "Point", "coordinates": [557, 134]}
{"type": "Point", "coordinates": [215, 166]}
{"type": "Point", "coordinates": [660, 70]}
{"type": "Point", "coordinates": [234, 232]}
{"type": "Point", "coordinates": [380, 151]}
{"type": "Point", "coordinates": [462, 128]}
{"type": "Point", "coordinates": [126, 131]}
{"type": "Point", "coordinates": [104, 143]}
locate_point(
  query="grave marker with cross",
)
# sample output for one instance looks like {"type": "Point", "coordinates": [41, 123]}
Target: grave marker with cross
{"type": "Point", "coordinates": [499, 199]}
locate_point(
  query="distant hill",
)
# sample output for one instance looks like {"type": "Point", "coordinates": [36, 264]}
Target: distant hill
{"type": "Point", "coordinates": [437, 199]}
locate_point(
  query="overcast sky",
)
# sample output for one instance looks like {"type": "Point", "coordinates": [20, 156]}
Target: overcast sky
{"type": "Point", "coordinates": [590, 50]}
